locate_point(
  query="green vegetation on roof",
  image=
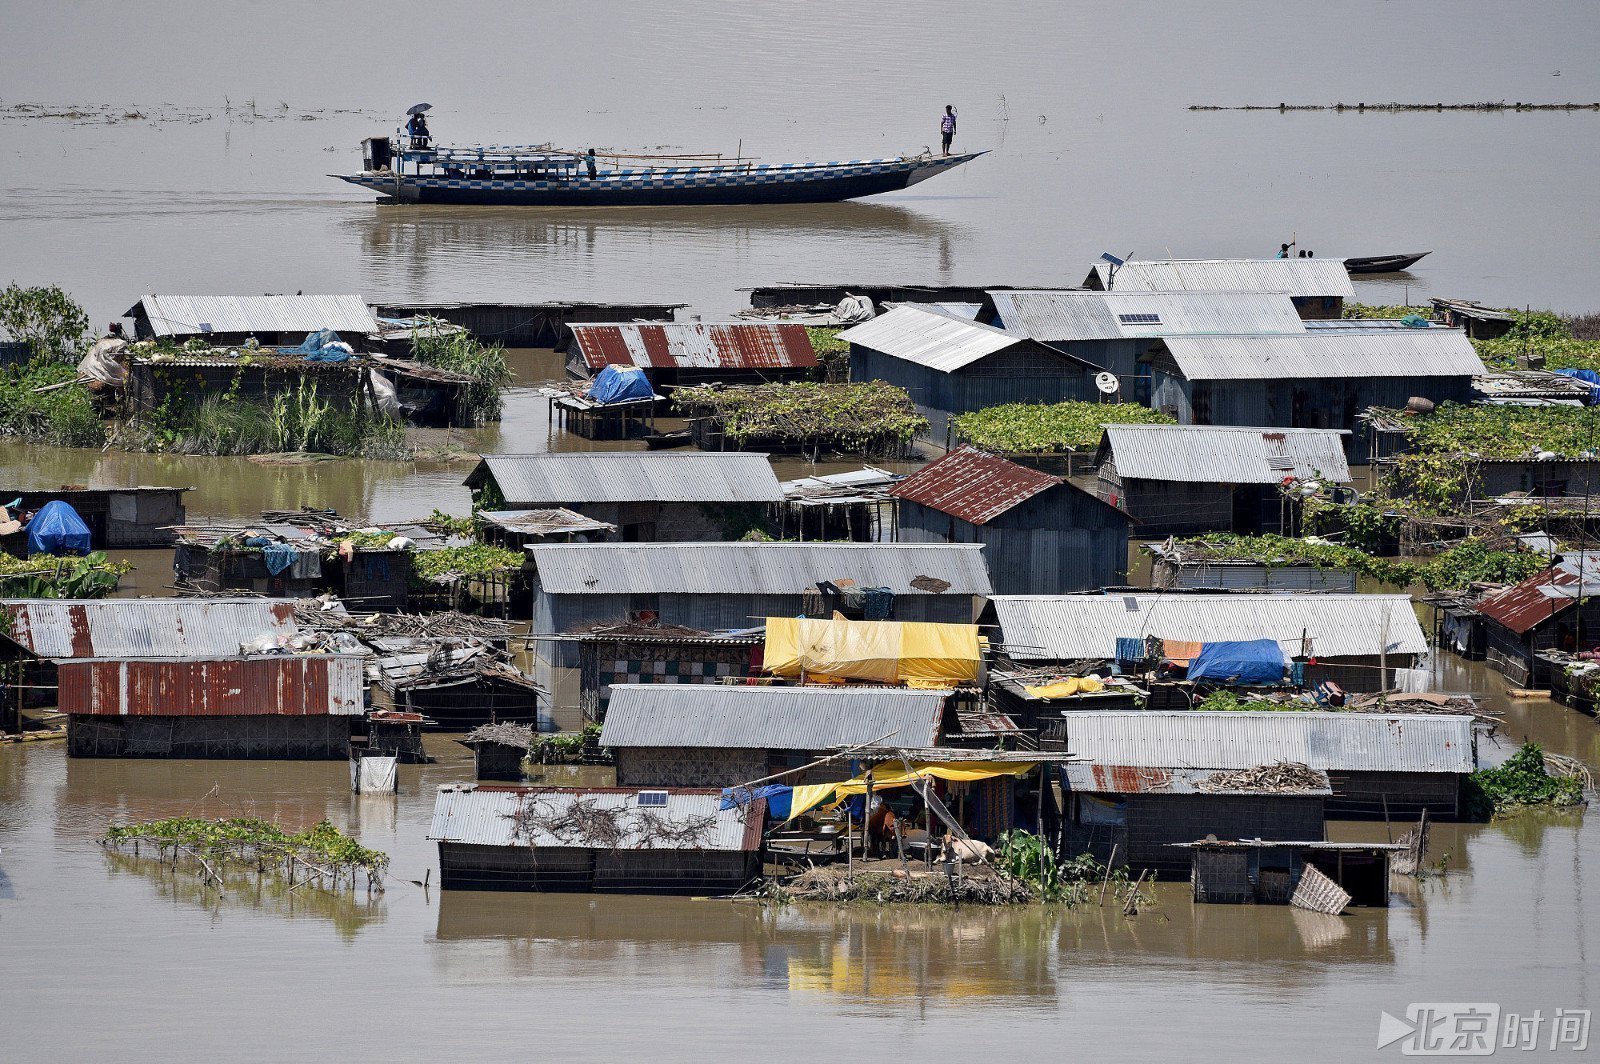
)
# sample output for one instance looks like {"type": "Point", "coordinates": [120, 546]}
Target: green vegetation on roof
{"type": "Point", "coordinates": [1273, 551]}
{"type": "Point", "coordinates": [855, 418]}
{"type": "Point", "coordinates": [1045, 427]}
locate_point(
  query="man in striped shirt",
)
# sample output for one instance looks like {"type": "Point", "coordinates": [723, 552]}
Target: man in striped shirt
{"type": "Point", "coordinates": [947, 127]}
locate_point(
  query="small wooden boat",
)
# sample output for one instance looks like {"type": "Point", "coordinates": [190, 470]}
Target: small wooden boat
{"type": "Point", "coordinates": [660, 441]}
{"type": "Point", "coordinates": [1384, 263]}
{"type": "Point", "coordinates": [407, 170]}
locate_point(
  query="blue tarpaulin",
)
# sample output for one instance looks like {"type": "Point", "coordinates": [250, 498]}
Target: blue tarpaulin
{"type": "Point", "coordinates": [57, 529]}
{"type": "Point", "coordinates": [776, 794]}
{"type": "Point", "coordinates": [323, 345]}
{"type": "Point", "coordinates": [619, 384]}
{"type": "Point", "coordinates": [1248, 661]}
{"type": "Point", "coordinates": [1588, 376]}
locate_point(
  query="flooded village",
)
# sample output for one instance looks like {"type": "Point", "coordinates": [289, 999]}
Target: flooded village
{"type": "Point", "coordinates": [571, 643]}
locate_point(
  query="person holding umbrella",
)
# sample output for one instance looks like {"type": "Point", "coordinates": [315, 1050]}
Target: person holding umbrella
{"type": "Point", "coordinates": [417, 126]}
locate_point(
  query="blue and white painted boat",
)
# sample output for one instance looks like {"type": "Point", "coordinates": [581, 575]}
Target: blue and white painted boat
{"type": "Point", "coordinates": [403, 171]}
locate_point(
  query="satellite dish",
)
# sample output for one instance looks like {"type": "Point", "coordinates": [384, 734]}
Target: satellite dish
{"type": "Point", "coordinates": [1106, 382]}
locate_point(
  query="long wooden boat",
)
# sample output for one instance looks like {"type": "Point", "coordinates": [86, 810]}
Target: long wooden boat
{"type": "Point", "coordinates": [403, 172]}
{"type": "Point", "coordinates": [1384, 263]}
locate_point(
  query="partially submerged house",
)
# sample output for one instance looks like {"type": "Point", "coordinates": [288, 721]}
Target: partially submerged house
{"type": "Point", "coordinates": [1040, 533]}
{"type": "Point", "coordinates": [286, 559]}
{"type": "Point", "coordinates": [647, 496]}
{"type": "Point", "coordinates": [719, 736]}
{"type": "Point", "coordinates": [1357, 641]}
{"type": "Point", "coordinates": [1201, 565]}
{"type": "Point", "coordinates": [1177, 479]}
{"type": "Point", "coordinates": [1134, 815]}
{"type": "Point", "coordinates": [1377, 764]}
{"type": "Point", "coordinates": [1244, 869]}
{"type": "Point", "coordinates": [528, 324]}
{"type": "Point", "coordinates": [1479, 322]}
{"type": "Point", "coordinates": [1321, 380]}
{"type": "Point", "coordinates": [854, 505]}
{"type": "Point", "coordinates": [271, 321]}
{"type": "Point", "coordinates": [134, 517]}
{"type": "Point", "coordinates": [1318, 287]}
{"type": "Point", "coordinates": [516, 529]}
{"type": "Point", "coordinates": [1552, 610]}
{"type": "Point", "coordinates": [732, 587]}
{"type": "Point", "coordinates": [458, 684]}
{"type": "Point", "coordinates": [183, 677]}
{"type": "Point", "coordinates": [692, 352]}
{"type": "Point", "coordinates": [279, 706]}
{"type": "Point", "coordinates": [601, 839]}
{"type": "Point", "coordinates": [952, 366]}
{"type": "Point", "coordinates": [1115, 330]}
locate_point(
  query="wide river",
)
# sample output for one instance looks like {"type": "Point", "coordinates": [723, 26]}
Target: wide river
{"type": "Point", "coordinates": [184, 147]}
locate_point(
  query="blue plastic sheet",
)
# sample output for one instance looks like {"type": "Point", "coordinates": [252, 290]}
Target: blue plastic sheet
{"type": "Point", "coordinates": [57, 529]}
{"type": "Point", "coordinates": [777, 795]}
{"type": "Point", "coordinates": [1415, 321]}
{"type": "Point", "coordinates": [1589, 377]}
{"type": "Point", "coordinates": [619, 384]}
{"type": "Point", "coordinates": [323, 345]}
{"type": "Point", "coordinates": [1254, 661]}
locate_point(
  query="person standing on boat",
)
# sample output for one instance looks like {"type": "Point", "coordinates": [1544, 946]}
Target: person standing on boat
{"type": "Point", "coordinates": [1283, 251]}
{"type": "Point", "coordinates": [589, 161]}
{"type": "Point", "coordinates": [947, 127]}
{"type": "Point", "coordinates": [417, 128]}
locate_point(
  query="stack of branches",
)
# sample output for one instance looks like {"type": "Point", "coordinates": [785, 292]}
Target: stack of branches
{"type": "Point", "coordinates": [1406, 702]}
{"type": "Point", "coordinates": [1284, 777]}
{"type": "Point", "coordinates": [584, 822]}
{"type": "Point", "coordinates": [447, 625]}
{"type": "Point", "coordinates": [625, 628]}
{"type": "Point", "coordinates": [1564, 767]}
{"type": "Point", "coordinates": [833, 883]}
{"type": "Point", "coordinates": [519, 736]}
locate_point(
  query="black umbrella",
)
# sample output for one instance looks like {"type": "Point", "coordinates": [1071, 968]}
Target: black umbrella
{"type": "Point", "coordinates": [417, 109]}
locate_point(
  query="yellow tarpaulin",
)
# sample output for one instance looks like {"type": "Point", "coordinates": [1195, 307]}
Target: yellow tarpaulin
{"type": "Point", "coordinates": [913, 653]}
{"type": "Point", "coordinates": [889, 775]}
{"type": "Point", "coordinates": [1076, 685]}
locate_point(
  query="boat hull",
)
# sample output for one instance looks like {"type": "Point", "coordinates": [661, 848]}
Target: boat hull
{"type": "Point", "coordinates": [1383, 263]}
{"type": "Point", "coordinates": [797, 184]}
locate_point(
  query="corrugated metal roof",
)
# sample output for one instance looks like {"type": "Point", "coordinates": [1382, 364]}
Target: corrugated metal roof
{"type": "Point", "coordinates": [486, 816]}
{"type": "Point", "coordinates": [1295, 277]}
{"type": "Point", "coordinates": [1523, 607]}
{"type": "Point", "coordinates": [1216, 454]}
{"type": "Point", "coordinates": [201, 315]}
{"type": "Point", "coordinates": [532, 481]}
{"type": "Point", "coordinates": [170, 627]}
{"type": "Point", "coordinates": [770, 718]}
{"type": "Point", "coordinates": [1329, 353]}
{"type": "Point", "coordinates": [928, 338]}
{"type": "Point", "coordinates": [1331, 742]}
{"type": "Point", "coordinates": [757, 568]}
{"type": "Point", "coordinates": [1077, 314]}
{"type": "Point", "coordinates": [1096, 777]}
{"type": "Point", "coordinates": [284, 685]}
{"type": "Point", "coordinates": [695, 345]}
{"type": "Point", "coordinates": [1068, 627]}
{"type": "Point", "coordinates": [973, 485]}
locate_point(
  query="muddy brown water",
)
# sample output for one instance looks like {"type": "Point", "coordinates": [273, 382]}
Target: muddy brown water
{"type": "Point", "coordinates": [218, 188]}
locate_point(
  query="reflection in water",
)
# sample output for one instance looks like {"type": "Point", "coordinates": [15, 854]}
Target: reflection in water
{"type": "Point", "coordinates": [921, 953]}
{"type": "Point", "coordinates": [348, 911]}
{"type": "Point", "coordinates": [529, 254]}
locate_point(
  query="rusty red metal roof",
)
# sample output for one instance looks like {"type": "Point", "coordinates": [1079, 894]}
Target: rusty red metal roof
{"type": "Point", "coordinates": [283, 685]}
{"type": "Point", "coordinates": [1523, 607]}
{"type": "Point", "coordinates": [973, 485]}
{"type": "Point", "coordinates": [696, 345]}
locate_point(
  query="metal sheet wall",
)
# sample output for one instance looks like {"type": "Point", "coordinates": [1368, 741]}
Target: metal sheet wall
{"type": "Point", "coordinates": [230, 687]}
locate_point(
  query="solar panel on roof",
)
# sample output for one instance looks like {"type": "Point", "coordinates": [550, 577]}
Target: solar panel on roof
{"type": "Point", "coordinates": [652, 799]}
{"type": "Point", "coordinates": [1139, 319]}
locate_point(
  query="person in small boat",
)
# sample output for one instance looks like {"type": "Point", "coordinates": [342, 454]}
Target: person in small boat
{"type": "Point", "coordinates": [1283, 252]}
{"type": "Point", "coordinates": [947, 127]}
{"type": "Point", "coordinates": [417, 130]}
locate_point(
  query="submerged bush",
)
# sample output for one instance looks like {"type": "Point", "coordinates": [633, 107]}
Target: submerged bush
{"type": "Point", "coordinates": [1522, 781]}
{"type": "Point", "coordinates": [46, 319]}
{"type": "Point", "coordinates": [64, 417]}
{"type": "Point", "coordinates": [487, 366]}
{"type": "Point", "coordinates": [1072, 425]}
{"type": "Point", "coordinates": [297, 420]}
